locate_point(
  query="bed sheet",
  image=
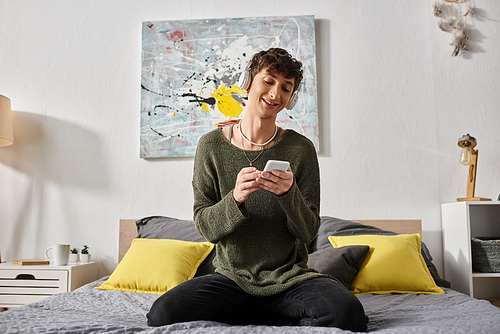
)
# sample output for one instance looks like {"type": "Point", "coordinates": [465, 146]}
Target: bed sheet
{"type": "Point", "coordinates": [88, 310]}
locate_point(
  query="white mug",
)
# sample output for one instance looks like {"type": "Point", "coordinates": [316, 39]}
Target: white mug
{"type": "Point", "coordinates": [60, 252]}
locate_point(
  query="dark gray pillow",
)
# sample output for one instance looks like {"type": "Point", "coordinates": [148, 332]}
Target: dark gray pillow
{"type": "Point", "coordinates": [160, 227]}
{"type": "Point", "coordinates": [340, 227]}
{"type": "Point", "coordinates": [342, 263]}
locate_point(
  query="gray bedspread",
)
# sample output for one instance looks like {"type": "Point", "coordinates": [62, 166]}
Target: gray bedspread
{"type": "Point", "coordinates": [87, 310]}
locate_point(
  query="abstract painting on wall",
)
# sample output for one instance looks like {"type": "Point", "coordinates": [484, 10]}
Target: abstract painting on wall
{"type": "Point", "coordinates": [191, 71]}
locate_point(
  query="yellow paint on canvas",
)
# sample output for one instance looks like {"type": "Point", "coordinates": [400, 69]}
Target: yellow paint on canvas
{"type": "Point", "coordinates": [226, 103]}
{"type": "Point", "coordinates": [204, 107]}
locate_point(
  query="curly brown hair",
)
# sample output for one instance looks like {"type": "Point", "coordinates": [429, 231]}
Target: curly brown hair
{"type": "Point", "coordinates": [279, 61]}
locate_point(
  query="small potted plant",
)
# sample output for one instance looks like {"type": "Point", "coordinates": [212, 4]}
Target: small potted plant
{"type": "Point", "coordinates": [85, 255]}
{"type": "Point", "coordinates": [73, 255]}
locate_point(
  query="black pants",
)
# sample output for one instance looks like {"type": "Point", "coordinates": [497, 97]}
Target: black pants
{"type": "Point", "coordinates": [316, 302]}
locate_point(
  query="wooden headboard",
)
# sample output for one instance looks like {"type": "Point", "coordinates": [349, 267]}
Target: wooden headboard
{"type": "Point", "coordinates": [128, 230]}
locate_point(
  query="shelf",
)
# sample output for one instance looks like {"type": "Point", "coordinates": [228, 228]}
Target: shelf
{"type": "Point", "coordinates": [472, 203]}
{"type": "Point", "coordinates": [478, 274]}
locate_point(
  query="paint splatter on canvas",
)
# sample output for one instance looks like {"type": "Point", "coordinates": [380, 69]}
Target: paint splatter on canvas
{"type": "Point", "coordinates": [190, 75]}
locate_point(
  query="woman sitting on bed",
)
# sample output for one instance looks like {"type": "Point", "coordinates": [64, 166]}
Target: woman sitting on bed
{"type": "Point", "coordinates": [261, 222]}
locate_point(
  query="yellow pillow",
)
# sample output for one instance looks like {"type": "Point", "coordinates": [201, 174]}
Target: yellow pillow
{"type": "Point", "coordinates": [393, 264]}
{"type": "Point", "coordinates": [157, 265]}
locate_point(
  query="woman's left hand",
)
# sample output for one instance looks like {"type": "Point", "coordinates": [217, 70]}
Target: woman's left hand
{"type": "Point", "coordinates": [278, 182]}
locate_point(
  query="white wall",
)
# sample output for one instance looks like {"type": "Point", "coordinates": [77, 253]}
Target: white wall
{"type": "Point", "coordinates": [392, 105]}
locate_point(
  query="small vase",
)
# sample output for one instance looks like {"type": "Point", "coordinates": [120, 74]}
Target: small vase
{"type": "Point", "coordinates": [84, 258]}
{"type": "Point", "coordinates": [73, 258]}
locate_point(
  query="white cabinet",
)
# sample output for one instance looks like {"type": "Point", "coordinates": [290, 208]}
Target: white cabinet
{"type": "Point", "coordinates": [461, 221]}
{"type": "Point", "coordinates": [21, 285]}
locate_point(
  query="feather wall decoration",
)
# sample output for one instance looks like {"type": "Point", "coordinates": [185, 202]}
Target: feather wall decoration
{"type": "Point", "coordinates": [452, 16]}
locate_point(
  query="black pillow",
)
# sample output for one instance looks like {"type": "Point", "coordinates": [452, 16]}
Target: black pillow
{"type": "Point", "coordinates": [342, 263]}
{"type": "Point", "coordinates": [339, 227]}
{"type": "Point", "coordinates": [159, 227]}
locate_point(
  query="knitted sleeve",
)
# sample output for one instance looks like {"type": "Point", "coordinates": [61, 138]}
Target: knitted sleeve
{"type": "Point", "coordinates": [215, 215]}
{"type": "Point", "coordinates": [301, 203]}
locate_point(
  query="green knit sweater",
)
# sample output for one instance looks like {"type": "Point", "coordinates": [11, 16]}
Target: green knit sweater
{"type": "Point", "coordinates": [261, 245]}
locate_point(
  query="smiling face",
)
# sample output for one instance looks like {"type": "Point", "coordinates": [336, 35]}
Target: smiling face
{"type": "Point", "coordinates": [269, 93]}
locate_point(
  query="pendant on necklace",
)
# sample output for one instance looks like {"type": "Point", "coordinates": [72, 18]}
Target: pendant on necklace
{"type": "Point", "coordinates": [251, 161]}
{"type": "Point", "coordinates": [245, 153]}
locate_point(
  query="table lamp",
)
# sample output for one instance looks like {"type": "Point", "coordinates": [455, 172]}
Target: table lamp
{"type": "Point", "coordinates": [6, 133]}
{"type": "Point", "coordinates": [468, 157]}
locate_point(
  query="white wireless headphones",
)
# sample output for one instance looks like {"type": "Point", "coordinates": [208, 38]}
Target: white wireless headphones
{"type": "Point", "coordinates": [247, 80]}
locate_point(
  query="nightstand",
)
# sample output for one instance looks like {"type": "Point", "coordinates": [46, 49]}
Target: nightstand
{"type": "Point", "coordinates": [21, 285]}
{"type": "Point", "coordinates": [462, 221]}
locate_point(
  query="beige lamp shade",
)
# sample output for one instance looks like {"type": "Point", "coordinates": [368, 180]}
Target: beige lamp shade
{"type": "Point", "coordinates": [6, 132]}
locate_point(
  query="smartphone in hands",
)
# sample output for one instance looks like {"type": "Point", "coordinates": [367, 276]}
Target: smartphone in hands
{"type": "Point", "coordinates": [275, 164]}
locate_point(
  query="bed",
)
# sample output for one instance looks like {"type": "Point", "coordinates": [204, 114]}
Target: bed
{"type": "Point", "coordinates": [391, 309]}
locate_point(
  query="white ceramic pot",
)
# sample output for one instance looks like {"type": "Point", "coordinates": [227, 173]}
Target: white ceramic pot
{"type": "Point", "coordinates": [84, 258]}
{"type": "Point", "coordinates": [73, 257]}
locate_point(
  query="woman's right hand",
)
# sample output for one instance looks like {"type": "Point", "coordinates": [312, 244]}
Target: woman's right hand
{"type": "Point", "coordinates": [245, 184]}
